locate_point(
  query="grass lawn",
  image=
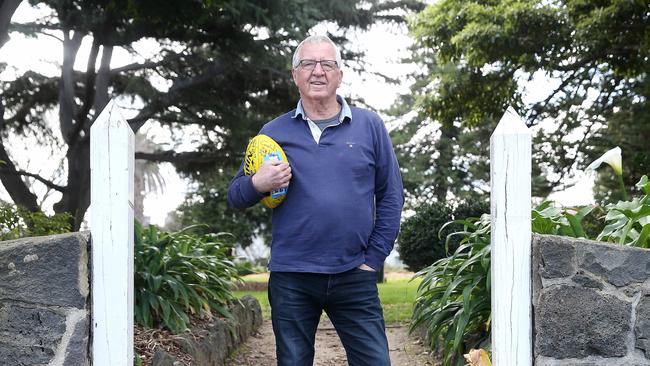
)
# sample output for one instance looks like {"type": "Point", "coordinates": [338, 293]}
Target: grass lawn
{"type": "Point", "coordinates": [397, 296]}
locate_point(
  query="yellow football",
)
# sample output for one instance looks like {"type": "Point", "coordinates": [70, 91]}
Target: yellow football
{"type": "Point", "coordinates": [260, 149]}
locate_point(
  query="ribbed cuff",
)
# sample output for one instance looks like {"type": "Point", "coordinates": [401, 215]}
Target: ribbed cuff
{"type": "Point", "coordinates": [249, 191]}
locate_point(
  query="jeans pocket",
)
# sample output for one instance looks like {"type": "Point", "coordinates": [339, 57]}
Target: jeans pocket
{"type": "Point", "coordinates": [363, 272]}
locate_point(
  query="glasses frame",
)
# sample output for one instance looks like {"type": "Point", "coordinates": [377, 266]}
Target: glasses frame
{"type": "Point", "coordinates": [322, 65]}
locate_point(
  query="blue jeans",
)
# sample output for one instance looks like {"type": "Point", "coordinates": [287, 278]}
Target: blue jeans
{"type": "Point", "coordinates": [350, 300]}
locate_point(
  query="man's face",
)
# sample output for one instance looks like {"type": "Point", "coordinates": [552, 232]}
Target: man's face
{"type": "Point", "coordinates": [317, 84]}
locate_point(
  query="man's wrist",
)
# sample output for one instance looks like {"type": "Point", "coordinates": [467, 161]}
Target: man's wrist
{"type": "Point", "coordinates": [259, 191]}
{"type": "Point", "coordinates": [252, 181]}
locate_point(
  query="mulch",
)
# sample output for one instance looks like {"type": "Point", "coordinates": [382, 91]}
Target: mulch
{"type": "Point", "coordinates": [147, 341]}
{"type": "Point", "coordinates": [251, 286]}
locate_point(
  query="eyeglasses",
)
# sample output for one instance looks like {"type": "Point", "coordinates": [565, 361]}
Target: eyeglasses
{"type": "Point", "coordinates": [327, 65]}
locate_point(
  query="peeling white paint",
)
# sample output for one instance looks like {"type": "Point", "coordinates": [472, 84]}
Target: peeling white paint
{"type": "Point", "coordinates": [111, 166]}
{"type": "Point", "coordinates": [510, 172]}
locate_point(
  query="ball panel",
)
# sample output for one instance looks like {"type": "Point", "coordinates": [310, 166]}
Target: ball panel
{"type": "Point", "coordinates": [259, 149]}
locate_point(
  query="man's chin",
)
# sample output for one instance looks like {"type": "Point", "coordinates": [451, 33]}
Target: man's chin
{"type": "Point", "coordinates": [319, 95]}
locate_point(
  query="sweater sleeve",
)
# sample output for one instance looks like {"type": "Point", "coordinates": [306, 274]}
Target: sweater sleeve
{"type": "Point", "coordinates": [389, 199]}
{"type": "Point", "coordinates": [241, 192]}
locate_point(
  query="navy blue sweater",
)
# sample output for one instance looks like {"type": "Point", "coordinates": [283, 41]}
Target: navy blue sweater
{"type": "Point", "coordinates": [345, 198]}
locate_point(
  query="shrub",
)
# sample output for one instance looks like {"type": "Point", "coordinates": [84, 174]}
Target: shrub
{"type": "Point", "coordinates": [454, 296]}
{"type": "Point", "coordinates": [629, 221]}
{"type": "Point", "coordinates": [181, 274]}
{"type": "Point", "coordinates": [422, 242]}
{"type": "Point", "coordinates": [453, 301]}
{"type": "Point", "coordinates": [17, 222]}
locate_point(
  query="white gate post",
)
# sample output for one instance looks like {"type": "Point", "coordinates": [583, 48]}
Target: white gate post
{"type": "Point", "coordinates": [111, 166]}
{"type": "Point", "coordinates": [510, 171]}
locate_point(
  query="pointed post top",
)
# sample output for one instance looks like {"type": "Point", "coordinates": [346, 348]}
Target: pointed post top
{"type": "Point", "coordinates": [110, 117]}
{"type": "Point", "coordinates": [511, 124]}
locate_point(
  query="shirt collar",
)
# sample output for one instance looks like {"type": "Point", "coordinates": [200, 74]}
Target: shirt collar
{"type": "Point", "coordinates": [346, 112]}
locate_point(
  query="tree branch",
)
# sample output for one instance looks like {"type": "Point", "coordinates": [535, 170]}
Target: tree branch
{"type": "Point", "coordinates": [89, 93]}
{"type": "Point", "coordinates": [17, 189]}
{"type": "Point", "coordinates": [174, 157]}
{"type": "Point", "coordinates": [137, 66]}
{"type": "Point", "coordinates": [539, 106]}
{"type": "Point", "coordinates": [67, 104]}
{"type": "Point", "coordinates": [585, 137]}
{"type": "Point", "coordinates": [173, 94]}
{"type": "Point", "coordinates": [27, 28]}
{"type": "Point", "coordinates": [46, 182]}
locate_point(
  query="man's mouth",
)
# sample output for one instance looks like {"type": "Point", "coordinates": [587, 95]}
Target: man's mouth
{"type": "Point", "coordinates": [317, 83]}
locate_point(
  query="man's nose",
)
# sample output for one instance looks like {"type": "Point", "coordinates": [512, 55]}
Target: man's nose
{"type": "Point", "coordinates": [318, 69]}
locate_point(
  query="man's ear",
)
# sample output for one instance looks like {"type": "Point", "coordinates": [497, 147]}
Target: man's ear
{"type": "Point", "coordinates": [293, 76]}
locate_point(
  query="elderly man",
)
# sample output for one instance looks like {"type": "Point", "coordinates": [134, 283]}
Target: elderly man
{"type": "Point", "coordinates": [340, 217]}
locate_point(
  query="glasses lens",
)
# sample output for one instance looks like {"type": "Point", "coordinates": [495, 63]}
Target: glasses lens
{"type": "Point", "coordinates": [327, 65]}
{"type": "Point", "coordinates": [308, 64]}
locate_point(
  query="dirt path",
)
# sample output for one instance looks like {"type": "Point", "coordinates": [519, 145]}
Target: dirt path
{"type": "Point", "coordinates": [259, 350]}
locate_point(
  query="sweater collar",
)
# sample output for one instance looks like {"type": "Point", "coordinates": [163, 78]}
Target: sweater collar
{"type": "Point", "coordinates": [346, 112]}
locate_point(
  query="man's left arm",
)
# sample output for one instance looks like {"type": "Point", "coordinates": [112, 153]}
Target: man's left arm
{"type": "Point", "coordinates": [389, 199]}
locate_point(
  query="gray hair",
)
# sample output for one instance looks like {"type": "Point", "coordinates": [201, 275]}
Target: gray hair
{"type": "Point", "coordinates": [316, 39]}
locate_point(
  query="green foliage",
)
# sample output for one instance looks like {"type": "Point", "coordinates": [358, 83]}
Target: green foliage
{"type": "Point", "coordinates": [206, 202]}
{"type": "Point", "coordinates": [180, 274]}
{"type": "Point", "coordinates": [397, 298]}
{"type": "Point", "coordinates": [547, 219]}
{"type": "Point", "coordinates": [226, 66]}
{"type": "Point", "coordinates": [478, 57]}
{"type": "Point", "coordinates": [419, 244]}
{"type": "Point", "coordinates": [453, 298]}
{"type": "Point", "coordinates": [244, 268]}
{"type": "Point", "coordinates": [16, 222]}
{"type": "Point", "coordinates": [421, 241]}
{"type": "Point", "coordinates": [629, 221]}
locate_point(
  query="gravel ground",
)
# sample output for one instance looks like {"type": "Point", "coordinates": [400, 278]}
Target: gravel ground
{"type": "Point", "coordinates": [259, 350]}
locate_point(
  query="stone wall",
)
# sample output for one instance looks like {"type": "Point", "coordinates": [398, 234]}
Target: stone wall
{"type": "Point", "coordinates": [45, 308]}
{"type": "Point", "coordinates": [44, 295]}
{"type": "Point", "coordinates": [591, 303]}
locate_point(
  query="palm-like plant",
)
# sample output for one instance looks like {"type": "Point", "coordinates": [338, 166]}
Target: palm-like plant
{"type": "Point", "coordinates": [181, 274]}
{"type": "Point", "coordinates": [454, 295]}
{"type": "Point", "coordinates": [453, 302]}
{"type": "Point", "coordinates": [147, 175]}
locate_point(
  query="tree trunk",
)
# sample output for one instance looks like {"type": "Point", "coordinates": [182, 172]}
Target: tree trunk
{"type": "Point", "coordinates": [103, 78]}
{"type": "Point", "coordinates": [138, 193]}
{"type": "Point", "coordinates": [444, 162]}
{"type": "Point", "coordinates": [76, 198]}
{"type": "Point", "coordinates": [67, 104]}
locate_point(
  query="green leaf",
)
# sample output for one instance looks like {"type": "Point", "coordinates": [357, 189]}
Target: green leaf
{"type": "Point", "coordinates": [644, 185]}
{"type": "Point", "coordinates": [642, 240]}
{"type": "Point", "coordinates": [181, 273]}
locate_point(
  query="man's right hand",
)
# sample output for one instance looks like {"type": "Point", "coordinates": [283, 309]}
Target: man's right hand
{"type": "Point", "coordinates": [272, 175]}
